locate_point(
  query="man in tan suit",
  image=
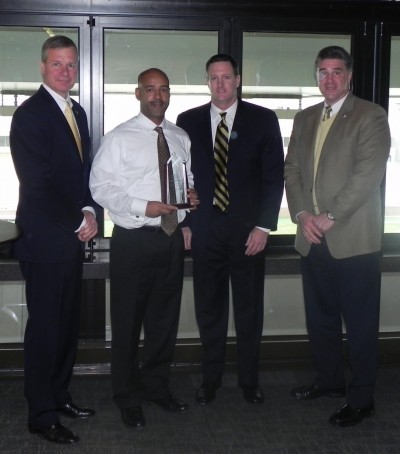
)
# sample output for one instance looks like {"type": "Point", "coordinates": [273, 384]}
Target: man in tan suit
{"type": "Point", "coordinates": [334, 167]}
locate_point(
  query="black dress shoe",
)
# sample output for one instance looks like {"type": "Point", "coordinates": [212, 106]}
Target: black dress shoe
{"type": "Point", "coordinates": [171, 404]}
{"type": "Point", "coordinates": [349, 416]}
{"type": "Point", "coordinates": [314, 391]}
{"type": "Point", "coordinates": [72, 411]}
{"type": "Point", "coordinates": [55, 433]}
{"type": "Point", "coordinates": [133, 417]}
{"type": "Point", "coordinates": [253, 394]}
{"type": "Point", "coordinates": [205, 394]}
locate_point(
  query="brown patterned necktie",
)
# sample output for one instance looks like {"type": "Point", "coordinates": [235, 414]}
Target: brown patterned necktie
{"type": "Point", "coordinates": [169, 222]}
{"type": "Point", "coordinates": [221, 145]}
{"type": "Point", "coordinates": [71, 121]}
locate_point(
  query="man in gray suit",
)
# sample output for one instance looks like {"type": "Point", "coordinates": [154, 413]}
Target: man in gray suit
{"type": "Point", "coordinates": [334, 167]}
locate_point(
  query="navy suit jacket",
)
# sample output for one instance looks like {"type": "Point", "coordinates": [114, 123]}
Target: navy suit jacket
{"type": "Point", "coordinates": [255, 166]}
{"type": "Point", "coordinates": [53, 179]}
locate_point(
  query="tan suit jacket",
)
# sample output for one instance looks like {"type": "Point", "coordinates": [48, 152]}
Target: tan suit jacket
{"type": "Point", "coordinates": [350, 171]}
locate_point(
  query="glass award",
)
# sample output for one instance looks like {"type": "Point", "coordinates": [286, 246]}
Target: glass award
{"type": "Point", "coordinates": [181, 185]}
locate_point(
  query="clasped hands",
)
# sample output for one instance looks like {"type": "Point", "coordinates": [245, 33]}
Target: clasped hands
{"type": "Point", "coordinates": [314, 226]}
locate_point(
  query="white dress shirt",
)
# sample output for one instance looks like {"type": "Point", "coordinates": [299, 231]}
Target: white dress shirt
{"type": "Point", "coordinates": [125, 173]}
{"type": "Point", "coordinates": [216, 118]}
{"type": "Point", "coordinates": [335, 107]}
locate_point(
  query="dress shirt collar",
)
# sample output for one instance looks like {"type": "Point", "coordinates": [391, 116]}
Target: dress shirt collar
{"type": "Point", "coordinates": [147, 123]}
{"type": "Point", "coordinates": [230, 113]}
{"type": "Point", "coordinates": [336, 107]}
{"type": "Point", "coordinates": [62, 102]}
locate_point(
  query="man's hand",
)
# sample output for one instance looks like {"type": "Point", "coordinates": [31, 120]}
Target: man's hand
{"type": "Point", "coordinates": [187, 237]}
{"type": "Point", "coordinates": [256, 241]}
{"type": "Point", "coordinates": [155, 209]}
{"type": "Point", "coordinates": [323, 222]}
{"type": "Point", "coordinates": [193, 197]}
{"type": "Point", "coordinates": [314, 227]}
{"type": "Point", "coordinates": [89, 230]}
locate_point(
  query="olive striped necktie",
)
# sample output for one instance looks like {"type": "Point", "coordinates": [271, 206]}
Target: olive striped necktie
{"type": "Point", "coordinates": [221, 145]}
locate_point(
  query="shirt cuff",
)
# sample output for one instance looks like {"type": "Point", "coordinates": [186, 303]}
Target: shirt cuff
{"type": "Point", "coordinates": [263, 229]}
{"type": "Point", "coordinates": [83, 223]}
{"type": "Point", "coordinates": [298, 214]}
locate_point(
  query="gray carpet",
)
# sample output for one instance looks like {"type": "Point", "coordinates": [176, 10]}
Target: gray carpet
{"type": "Point", "coordinates": [227, 426]}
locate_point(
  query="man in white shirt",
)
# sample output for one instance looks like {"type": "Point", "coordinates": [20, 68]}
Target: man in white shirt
{"type": "Point", "coordinates": [146, 264]}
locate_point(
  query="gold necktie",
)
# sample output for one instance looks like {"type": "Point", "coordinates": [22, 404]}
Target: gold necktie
{"type": "Point", "coordinates": [169, 222]}
{"type": "Point", "coordinates": [71, 121]}
{"type": "Point", "coordinates": [221, 145]}
{"type": "Point", "coordinates": [327, 113]}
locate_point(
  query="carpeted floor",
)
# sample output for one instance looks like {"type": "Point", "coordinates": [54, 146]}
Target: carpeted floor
{"type": "Point", "coordinates": [227, 426]}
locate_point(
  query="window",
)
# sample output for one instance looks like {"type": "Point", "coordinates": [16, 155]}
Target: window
{"type": "Point", "coordinates": [20, 50]}
{"type": "Point", "coordinates": [278, 74]}
{"type": "Point", "coordinates": [392, 196]}
{"type": "Point", "coordinates": [181, 54]}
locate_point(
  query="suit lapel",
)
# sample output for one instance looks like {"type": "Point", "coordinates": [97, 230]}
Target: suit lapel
{"type": "Point", "coordinates": [205, 133]}
{"type": "Point", "coordinates": [55, 112]}
{"type": "Point", "coordinates": [337, 125]}
{"type": "Point", "coordinates": [312, 123]}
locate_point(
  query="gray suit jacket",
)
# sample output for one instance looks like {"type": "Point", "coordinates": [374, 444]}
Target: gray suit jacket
{"type": "Point", "coordinates": [350, 171]}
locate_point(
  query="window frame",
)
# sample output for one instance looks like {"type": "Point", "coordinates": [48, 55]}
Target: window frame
{"type": "Point", "coordinates": [370, 46]}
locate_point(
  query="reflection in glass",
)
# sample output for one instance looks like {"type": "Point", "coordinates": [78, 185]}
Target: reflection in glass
{"type": "Point", "coordinates": [392, 193]}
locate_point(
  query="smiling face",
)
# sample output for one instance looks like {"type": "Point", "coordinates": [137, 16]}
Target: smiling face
{"type": "Point", "coordinates": [333, 79]}
{"type": "Point", "coordinates": [60, 69]}
{"type": "Point", "coordinates": [153, 94]}
{"type": "Point", "coordinates": [223, 84]}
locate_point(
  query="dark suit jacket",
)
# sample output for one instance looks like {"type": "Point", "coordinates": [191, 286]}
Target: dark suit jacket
{"type": "Point", "coordinates": [350, 170]}
{"type": "Point", "coordinates": [53, 179]}
{"type": "Point", "coordinates": [255, 166]}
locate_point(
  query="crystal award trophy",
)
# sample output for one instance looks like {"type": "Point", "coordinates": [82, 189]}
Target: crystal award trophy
{"type": "Point", "coordinates": [181, 184]}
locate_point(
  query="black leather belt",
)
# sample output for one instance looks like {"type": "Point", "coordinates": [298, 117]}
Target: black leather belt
{"type": "Point", "coordinates": [150, 228]}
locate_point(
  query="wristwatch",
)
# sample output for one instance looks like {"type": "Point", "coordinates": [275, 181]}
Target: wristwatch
{"type": "Point", "coordinates": [330, 216]}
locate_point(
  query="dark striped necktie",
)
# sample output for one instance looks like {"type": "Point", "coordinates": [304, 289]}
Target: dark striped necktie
{"type": "Point", "coordinates": [327, 113]}
{"type": "Point", "coordinates": [169, 222]}
{"type": "Point", "coordinates": [221, 194]}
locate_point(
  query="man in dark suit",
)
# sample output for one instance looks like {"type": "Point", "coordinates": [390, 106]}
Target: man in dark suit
{"type": "Point", "coordinates": [334, 167]}
{"type": "Point", "coordinates": [231, 225]}
{"type": "Point", "coordinates": [56, 218]}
